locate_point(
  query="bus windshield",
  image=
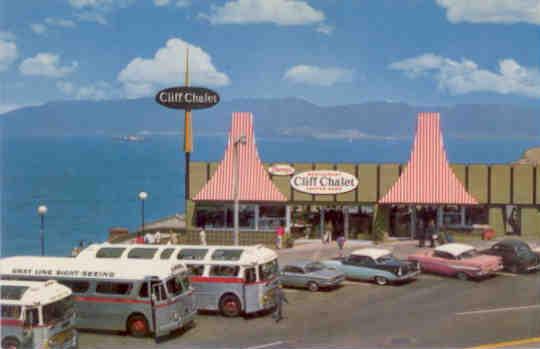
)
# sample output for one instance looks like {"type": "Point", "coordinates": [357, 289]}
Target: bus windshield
{"type": "Point", "coordinates": [58, 310]}
{"type": "Point", "coordinates": [177, 285]}
{"type": "Point", "coordinates": [268, 270]}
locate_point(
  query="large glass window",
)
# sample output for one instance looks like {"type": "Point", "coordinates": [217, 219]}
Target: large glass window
{"type": "Point", "coordinates": [271, 216]}
{"type": "Point", "coordinates": [110, 252]}
{"type": "Point", "coordinates": [476, 215]}
{"type": "Point", "coordinates": [116, 288]}
{"type": "Point", "coordinates": [192, 254]}
{"type": "Point", "coordinates": [58, 310]}
{"type": "Point", "coordinates": [452, 215]}
{"type": "Point", "coordinates": [268, 270]}
{"type": "Point", "coordinates": [175, 286]}
{"type": "Point", "coordinates": [227, 255]}
{"type": "Point", "coordinates": [224, 270]}
{"type": "Point", "coordinates": [222, 216]}
{"type": "Point", "coordinates": [142, 253]}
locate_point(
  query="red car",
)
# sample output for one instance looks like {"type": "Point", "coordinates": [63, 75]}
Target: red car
{"type": "Point", "coordinates": [460, 260]}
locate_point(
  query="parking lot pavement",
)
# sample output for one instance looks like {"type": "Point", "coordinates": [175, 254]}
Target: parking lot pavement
{"type": "Point", "coordinates": [431, 312]}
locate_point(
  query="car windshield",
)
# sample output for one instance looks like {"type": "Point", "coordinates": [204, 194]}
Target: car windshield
{"type": "Point", "coordinates": [386, 259]}
{"type": "Point", "coordinates": [268, 270]}
{"type": "Point", "coordinates": [312, 267]}
{"type": "Point", "coordinates": [469, 254]}
{"type": "Point", "coordinates": [523, 249]}
{"type": "Point", "coordinates": [58, 311]}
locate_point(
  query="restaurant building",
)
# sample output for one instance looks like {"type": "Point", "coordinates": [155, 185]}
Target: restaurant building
{"type": "Point", "coordinates": [355, 199]}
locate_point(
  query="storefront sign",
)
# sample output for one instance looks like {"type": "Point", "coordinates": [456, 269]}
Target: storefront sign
{"type": "Point", "coordinates": [323, 182]}
{"type": "Point", "coordinates": [187, 97]}
{"type": "Point", "coordinates": [281, 170]}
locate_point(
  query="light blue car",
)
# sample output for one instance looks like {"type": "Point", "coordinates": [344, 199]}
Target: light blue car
{"type": "Point", "coordinates": [374, 264]}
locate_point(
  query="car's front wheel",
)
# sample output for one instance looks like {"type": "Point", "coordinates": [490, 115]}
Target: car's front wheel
{"type": "Point", "coordinates": [462, 276]}
{"type": "Point", "coordinates": [381, 281]}
{"type": "Point", "coordinates": [313, 286]}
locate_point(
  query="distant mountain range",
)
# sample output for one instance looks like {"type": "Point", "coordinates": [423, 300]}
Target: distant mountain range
{"type": "Point", "coordinates": [273, 118]}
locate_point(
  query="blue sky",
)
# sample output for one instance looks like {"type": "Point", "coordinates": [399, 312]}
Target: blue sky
{"type": "Point", "coordinates": [326, 51]}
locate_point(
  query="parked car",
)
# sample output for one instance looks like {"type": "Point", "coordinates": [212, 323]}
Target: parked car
{"type": "Point", "coordinates": [309, 274]}
{"type": "Point", "coordinates": [374, 264]}
{"type": "Point", "coordinates": [459, 260]}
{"type": "Point", "coordinates": [517, 255]}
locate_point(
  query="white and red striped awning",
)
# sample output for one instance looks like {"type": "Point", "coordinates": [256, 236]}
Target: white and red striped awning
{"type": "Point", "coordinates": [428, 179]}
{"type": "Point", "coordinates": [254, 183]}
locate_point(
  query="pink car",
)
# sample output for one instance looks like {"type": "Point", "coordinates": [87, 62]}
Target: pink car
{"type": "Point", "coordinates": [460, 260]}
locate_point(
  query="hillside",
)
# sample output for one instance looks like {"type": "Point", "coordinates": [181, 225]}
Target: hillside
{"type": "Point", "coordinates": [273, 117]}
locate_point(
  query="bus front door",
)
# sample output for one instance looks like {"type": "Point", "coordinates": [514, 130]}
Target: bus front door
{"type": "Point", "coordinates": [160, 310]}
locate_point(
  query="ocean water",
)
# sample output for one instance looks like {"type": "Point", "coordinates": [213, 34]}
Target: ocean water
{"type": "Point", "coordinates": [91, 184]}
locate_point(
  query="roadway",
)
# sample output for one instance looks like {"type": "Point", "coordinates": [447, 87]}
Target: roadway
{"type": "Point", "coordinates": [431, 312]}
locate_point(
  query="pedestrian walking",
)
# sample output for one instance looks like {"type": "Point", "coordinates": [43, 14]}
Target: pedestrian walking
{"type": "Point", "coordinates": [421, 231]}
{"type": "Point", "coordinates": [328, 232]}
{"type": "Point", "coordinates": [148, 238]}
{"type": "Point", "coordinates": [157, 237]}
{"type": "Point", "coordinates": [279, 298]}
{"type": "Point", "coordinates": [202, 237]}
{"type": "Point", "coordinates": [280, 233]}
{"type": "Point", "coordinates": [341, 243]}
{"type": "Point", "coordinates": [431, 233]}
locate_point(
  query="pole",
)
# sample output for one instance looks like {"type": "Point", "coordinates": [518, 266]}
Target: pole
{"type": "Point", "coordinates": [236, 203]}
{"type": "Point", "coordinates": [188, 141]}
{"type": "Point", "coordinates": [142, 215]}
{"type": "Point", "coordinates": [42, 235]}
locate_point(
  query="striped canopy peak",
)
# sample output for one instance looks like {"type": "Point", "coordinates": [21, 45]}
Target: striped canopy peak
{"type": "Point", "coordinates": [428, 178]}
{"type": "Point", "coordinates": [254, 182]}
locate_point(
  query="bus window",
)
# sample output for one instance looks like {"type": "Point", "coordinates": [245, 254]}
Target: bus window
{"type": "Point", "coordinates": [268, 270]}
{"type": "Point", "coordinates": [32, 317]}
{"type": "Point", "coordinates": [166, 253]}
{"type": "Point", "coordinates": [250, 275]}
{"type": "Point", "coordinates": [76, 286]}
{"type": "Point", "coordinates": [227, 255]}
{"type": "Point", "coordinates": [57, 311]}
{"type": "Point", "coordinates": [143, 292]}
{"type": "Point", "coordinates": [142, 253]}
{"type": "Point", "coordinates": [10, 311]}
{"type": "Point", "coordinates": [12, 293]}
{"type": "Point", "coordinates": [113, 287]}
{"type": "Point", "coordinates": [110, 252]}
{"type": "Point", "coordinates": [192, 253]}
{"type": "Point", "coordinates": [195, 269]}
{"type": "Point", "coordinates": [224, 270]}
{"type": "Point", "coordinates": [158, 291]}
{"type": "Point", "coordinates": [174, 286]}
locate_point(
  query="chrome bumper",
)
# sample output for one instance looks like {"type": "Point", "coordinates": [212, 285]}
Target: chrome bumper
{"type": "Point", "coordinates": [408, 276]}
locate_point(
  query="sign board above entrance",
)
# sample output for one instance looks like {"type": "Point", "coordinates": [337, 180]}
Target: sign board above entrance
{"type": "Point", "coordinates": [324, 182]}
{"type": "Point", "coordinates": [185, 97]}
{"type": "Point", "coordinates": [281, 170]}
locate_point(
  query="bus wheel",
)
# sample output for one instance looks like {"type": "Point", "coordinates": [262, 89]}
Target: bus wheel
{"type": "Point", "coordinates": [137, 326]}
{"type": "Point", "coordinates": [10, 343]}
{"type": "Point", "coordinates": [230, 306]}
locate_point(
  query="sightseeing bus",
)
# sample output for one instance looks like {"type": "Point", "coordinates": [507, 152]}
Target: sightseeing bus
{"type": "Point", "coordinates": [234, 280]}
{"type": "Point", "coordinates": [140, 297]}
{"type": "Point", "coordinates": [36, 315]}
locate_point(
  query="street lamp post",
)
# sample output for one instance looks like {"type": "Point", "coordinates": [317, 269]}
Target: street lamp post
{"type": "Point", "coordinates": [42, 210]}
{"type": "Point", "coordinates": [142, 196]}
{"type": "Point", "coordinates": [241, 140]}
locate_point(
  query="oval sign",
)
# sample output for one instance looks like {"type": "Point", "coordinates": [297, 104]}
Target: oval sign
{"type": "Point", "coordinates": [324, 182]}
{"type": "Point", "coordinates": [185, 97]}
{"type": "Point", "coordinates": [281, 170]}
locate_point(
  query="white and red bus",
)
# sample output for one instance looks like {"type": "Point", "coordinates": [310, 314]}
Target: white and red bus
{"type": "Point", "coordinates": [36, 315]}
{"type": "Point", "coordinates": [140, 297]}
{"type": "Point", "coordinates": [234, 280]}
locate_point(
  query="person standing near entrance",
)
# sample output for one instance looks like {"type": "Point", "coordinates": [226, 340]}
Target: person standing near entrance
{"type": "Point", "coordinates": [280, 232]}
{"type": "Point", "coordinates": [202, 236]}
{"type": "Point", "coordinates": [341, 243]}
{"type": "Point", "coordinates": [329, 227]}
{"type": "Point", "coordinates": [431, 233]}
{"type": "Point", "coordinates": [421, 232]}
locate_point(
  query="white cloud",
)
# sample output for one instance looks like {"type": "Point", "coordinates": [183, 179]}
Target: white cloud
{"type": "Point", "coordinates": [97, 91]}
{"type": "Point", "coordinates": [161, 2]}
{"type": "Point", "coordinates": [8, 36]}
{"type": "Point", "coordinates": [60, 22]}
{"type": "Point", "coordinates": [89, 16]}
{"type": "Point", "coordinates": [461, 77]}
{"type": "Point", "coordinates": [280, 12]}
{"type": "Point", "coordinates": [142, 77]}
{"type": "Point", "coordinates": [6, 108]}
{"type": "Point", "coordinates": [46, 64]}
{"type": "Point", "coordinates": [492, 11]}
{"type": "Point", "coordinates": [38, 28]}
{"type": "Point", "coordinates": [321, 76]}
{"type": "Point", "coordinates": [183, 3]}
{"type": "Point", "coordinates": [325, 29]}
{"type": "Point", "coordinates": [8, 54]}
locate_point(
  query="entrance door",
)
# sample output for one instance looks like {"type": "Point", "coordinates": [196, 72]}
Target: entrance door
{"type": "Point", "coordinates": [400, 221]}
{"type": "Point", "coordinates": [160, 309]}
